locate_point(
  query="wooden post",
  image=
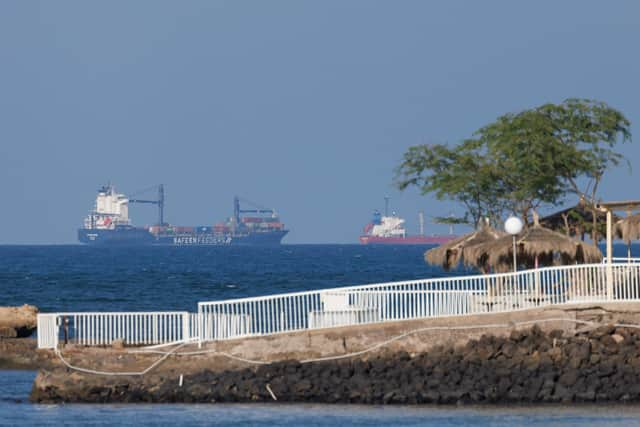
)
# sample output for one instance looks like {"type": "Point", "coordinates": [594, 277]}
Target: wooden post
{"type": "Point", "coordinates": [609, 255]}
{"type": "Point", "coordinates": [65, 326]}
{"type": "Point", "coordinates": [537, 282]}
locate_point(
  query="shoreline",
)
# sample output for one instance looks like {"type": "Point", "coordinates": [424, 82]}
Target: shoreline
{"type": "Point", "coordinates": [558, 361]}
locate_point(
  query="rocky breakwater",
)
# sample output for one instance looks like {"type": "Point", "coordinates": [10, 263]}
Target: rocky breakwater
{"type": "Point", "coordinates": [528, 366]}
{"type": "Point", "coordinates": [18, 322]}
{"type": "Point", "coordinates": [17, 349]}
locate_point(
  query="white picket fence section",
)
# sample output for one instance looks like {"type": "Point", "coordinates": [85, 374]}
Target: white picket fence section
{"type": "Point", "coordinates": [101, 329]}
{"type": "Point", "coordinates": [47, 330]}
{"type": "Point", "coordinates": [374, 303]}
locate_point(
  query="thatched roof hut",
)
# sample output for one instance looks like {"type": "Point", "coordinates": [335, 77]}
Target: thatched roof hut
{"type": "Point", "coordinates": [535, 246]}
{"type": "Point", "coordinates": [575, 221]}
{"type": "Point", "coordinates": [449, 255]}
{"type": "Point", "coordinates": [628, 228]}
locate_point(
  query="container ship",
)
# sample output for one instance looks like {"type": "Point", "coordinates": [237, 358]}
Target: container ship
{"type": "Point", "coordinates": [108, 224]}
{"type": "Point", "coordinates": [389, 230]}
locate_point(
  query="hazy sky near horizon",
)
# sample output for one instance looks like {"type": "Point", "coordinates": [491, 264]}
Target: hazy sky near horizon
{"type": "Point", "coordinates": [304, 106]}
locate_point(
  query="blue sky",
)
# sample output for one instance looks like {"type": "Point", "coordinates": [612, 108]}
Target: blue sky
{"type": "Point", "coordinates": [304, 106]}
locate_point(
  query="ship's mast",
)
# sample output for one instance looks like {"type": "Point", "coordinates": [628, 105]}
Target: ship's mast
{"type": "Point", "coordinates": [386, 205]}
{"type": "Point", "coordinates": [421, 222]}
{"type": "Point", "coordinates": [236, 213]}
{"type": "Point", "coordinates": [161, 203]}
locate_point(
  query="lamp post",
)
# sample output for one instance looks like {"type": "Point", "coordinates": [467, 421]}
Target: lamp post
{"type": "Point", "coordinates": [513, 225]}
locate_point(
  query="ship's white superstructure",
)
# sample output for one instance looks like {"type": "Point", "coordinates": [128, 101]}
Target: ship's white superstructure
{"type": "Point", "coordinates": [111, 209]}
{"type": "Point", "coordinates": [389, 230]}
{"type": "Point", "coordinates": [389, 226]}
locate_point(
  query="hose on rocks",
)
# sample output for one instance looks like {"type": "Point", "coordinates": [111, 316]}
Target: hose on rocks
{"type": "Point", "coordinates": [140, 373]}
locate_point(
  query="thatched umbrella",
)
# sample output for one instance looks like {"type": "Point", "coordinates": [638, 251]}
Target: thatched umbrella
{"type": "Point", "coordinates": [628, 229]}
{"type": "Point", "coordinates": [536, 246]}
{"type": "Point", "coordinates": [449, 255]}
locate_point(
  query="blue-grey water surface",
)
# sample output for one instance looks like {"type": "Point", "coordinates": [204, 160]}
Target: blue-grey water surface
{"type": "Point", "coordinates": [16, 385]}
{"type": "Point", "coordinates": [78, 278]}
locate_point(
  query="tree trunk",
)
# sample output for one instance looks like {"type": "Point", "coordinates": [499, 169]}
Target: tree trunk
{"type": "Point", "coordinates": [594, 225]}
{"type": "Point", "coordinates": [565, 218]}
{"type": "Point", "coordinates": [525, 217]}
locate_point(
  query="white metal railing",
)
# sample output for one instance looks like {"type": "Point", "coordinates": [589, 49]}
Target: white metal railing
{"type": "Point", "coordinates": [194, 327]}
{"type": "Point", "coordinates": [416, 299]}
{"type": "Point", "coordinates": [383, 302]}
{"type": "Point", "coordinates": [100, 329]}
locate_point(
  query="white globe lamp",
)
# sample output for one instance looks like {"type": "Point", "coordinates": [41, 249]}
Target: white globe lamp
{"type": "Point", "coordinates": [513, 225]}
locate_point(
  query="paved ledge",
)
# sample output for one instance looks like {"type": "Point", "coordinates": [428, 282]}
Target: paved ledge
{"type": "Point", "coordinates": [348, 339]}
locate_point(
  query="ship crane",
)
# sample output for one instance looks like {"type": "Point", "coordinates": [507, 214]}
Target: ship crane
{"type": "Point", "coordinates": [257, 209]}
{"type": "Point", "coordinates": [159, 202]}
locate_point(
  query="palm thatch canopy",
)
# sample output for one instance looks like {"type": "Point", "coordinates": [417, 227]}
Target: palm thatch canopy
{"type": "Point", "coordinates": [575, 221]}
{"type": "Point", "coordinates": [628, 228]}
{"type": "Point", "coordinates": [449, 255]}
{"type": "Point", "coordinates": [535, 246]}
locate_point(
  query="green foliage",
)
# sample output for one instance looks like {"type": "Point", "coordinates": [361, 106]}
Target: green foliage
{"type": "Point", "coordinates": [462, 173]}
{"type": "Point", "coordinates": [519, 147]}
{"type": "Point", "coordinates": [591, 130]}
{"type": "Point", "coordinates": [522, 161]}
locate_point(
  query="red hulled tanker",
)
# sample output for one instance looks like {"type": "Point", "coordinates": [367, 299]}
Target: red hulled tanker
{"type": "Point", "coordinates": [389, 230]}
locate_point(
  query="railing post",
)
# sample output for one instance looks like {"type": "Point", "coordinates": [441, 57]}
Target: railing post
{"type": "Point", "coordinates": [56, 331]}
{"type": "Point", "coordinates": [609, 256]}
{"type": "Point", "coordinates": [186, 330]}
{"type": "Point", "coordinates": [200, 321]}
{"type": "Point", "coordinates": [48, 330]}
{"type": "Point", "coordinates": [65, 323]}
{"type": "Point", "coordinates": [44, 331]}
{"type": "Point", "coordinates": [40, 330]}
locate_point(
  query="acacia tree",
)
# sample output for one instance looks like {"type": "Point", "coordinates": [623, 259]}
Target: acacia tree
{"type": "Point", "coordinates": [522, 161]}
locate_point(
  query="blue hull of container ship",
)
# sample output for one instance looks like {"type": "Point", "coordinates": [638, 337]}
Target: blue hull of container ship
{"type": "Point", "coordinates": [116, 237]}
{"type": "Point", "coordinates": [133, 236]}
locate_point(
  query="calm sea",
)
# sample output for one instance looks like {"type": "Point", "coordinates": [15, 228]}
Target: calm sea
{"type": "Point", "coordinates": [78, 278]}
